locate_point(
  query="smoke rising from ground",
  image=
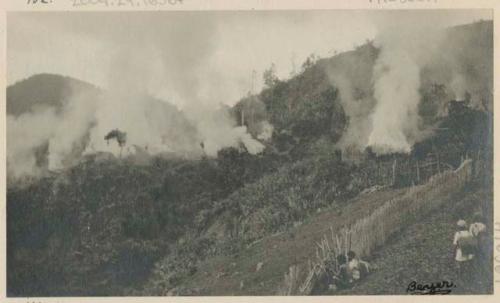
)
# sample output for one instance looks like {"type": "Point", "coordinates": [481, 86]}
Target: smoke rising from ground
{"type": "Point", "coordinates": [35, 129]}
{"type": "Point", "coordinates": [152, 126]}
{"type": "Point", "coordinates": [396, 78]}
{"type": "Point", "coordinates": [412, 56]}
{"type": "Point", "coordinates": [352, 77]}
{"type": "Point", "coordinates": [203, 66]}
{"type": "Point", "coordinates": [179, 66]}
{"type": "Point", "coordinates": [71, 127]}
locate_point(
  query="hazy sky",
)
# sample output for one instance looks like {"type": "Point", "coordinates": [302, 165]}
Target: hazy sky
{"type": "Point", "coordinates": [192, 56]}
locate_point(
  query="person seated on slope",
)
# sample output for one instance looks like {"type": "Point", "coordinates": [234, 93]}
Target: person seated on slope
{"type": "Point", "coordinates": [342, 278]}
{"type": "Point", "coordinates": [357, 267]}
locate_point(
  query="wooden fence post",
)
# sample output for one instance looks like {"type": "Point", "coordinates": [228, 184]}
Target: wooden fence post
{"type": "Point", "coordinates": [418, 173]}
{"type": "Point", "coordinates": [394, 165]}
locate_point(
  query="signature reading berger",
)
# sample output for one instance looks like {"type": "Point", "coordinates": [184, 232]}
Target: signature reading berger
{"type": "Point", "coordinates": [438, 288]}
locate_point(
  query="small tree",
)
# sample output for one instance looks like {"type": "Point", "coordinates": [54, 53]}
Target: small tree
{"type": "Point", "coordinates": [310, 61]}
{"type": "Point", "coordinates": [269, 75]}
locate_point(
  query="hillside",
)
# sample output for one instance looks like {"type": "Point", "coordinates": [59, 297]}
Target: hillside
{"type": "Point", "coordinates": [43, 90]}
{"type": "Point", "coordinates": [237, 274]}
{"type": "Point", "coordinates": [235, 222]}
{"type": "Point", "coordinates": [41, 106]}
{"type": "Point", "coordinates": [427, 247]}
{"type": "Point", "coordinates": [301, 109]}
{"type": "Point", "coordinates": [258, 268]}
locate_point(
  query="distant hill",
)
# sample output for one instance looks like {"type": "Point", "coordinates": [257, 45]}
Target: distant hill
{"type": "Point", "coordinates": [56, 92]}
{"type": "Point", "coordinates": [43, 90]}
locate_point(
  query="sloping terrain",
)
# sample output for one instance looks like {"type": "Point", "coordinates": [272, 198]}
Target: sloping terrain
{"type": "Point", "coordinates": [238, 275]}
{"type": "Point", "coordinates": [258, 267]}
{"type": "Point", "coordinates": [424, 252]}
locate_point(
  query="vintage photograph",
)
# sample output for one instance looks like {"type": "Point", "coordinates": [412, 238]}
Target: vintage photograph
{"type": "Point", "coordinates": [249, 153]}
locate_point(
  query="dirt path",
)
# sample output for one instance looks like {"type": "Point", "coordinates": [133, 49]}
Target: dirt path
{"type": "Point", "coordinates": [424, 253]}
{"type": "Point", "coordinates": [238, 275]}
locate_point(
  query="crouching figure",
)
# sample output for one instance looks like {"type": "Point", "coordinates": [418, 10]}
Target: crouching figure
{"type": "Point", "coordinates": [350, 270]}
{"type": "Point", "coordinates": [358, 268]}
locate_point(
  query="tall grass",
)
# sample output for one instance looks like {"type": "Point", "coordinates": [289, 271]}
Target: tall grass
{"type": "Point", "coordinates": [372, 231]}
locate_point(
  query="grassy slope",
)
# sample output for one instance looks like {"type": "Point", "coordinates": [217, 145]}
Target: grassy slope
{"type": "Point", "coordinates": [424, 253]}
{"type": "Point", "coordinates": [224, 275]}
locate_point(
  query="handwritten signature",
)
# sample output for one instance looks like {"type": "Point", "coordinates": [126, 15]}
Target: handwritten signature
{"type": "Point", "coordinates": [438, 288]}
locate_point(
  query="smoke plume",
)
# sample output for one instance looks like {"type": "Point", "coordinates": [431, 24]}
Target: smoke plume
{"type": "Point", "coordinates": [163, 90]}
{"type": "Point", "coordinates": [153, 126]}
{"type": "Point", "coordinates": [396, 89]}
{"type": "Point", "coordinates": [167, 80]}
{"type": "Point", "coordinates": [351, 75]}
{"type": "Point", "coordinates": [383, 103]}
{"type": "Point", "coordinates": [25, 134]}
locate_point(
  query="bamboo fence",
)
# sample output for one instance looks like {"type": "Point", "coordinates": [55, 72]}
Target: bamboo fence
{"type": "Point", "coordinates": [372, 231]}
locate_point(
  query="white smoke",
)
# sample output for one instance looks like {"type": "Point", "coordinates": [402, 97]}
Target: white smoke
{"type": "Point", "coordinates": [71, 126]}
{"type": "Point", "coordinates": [406, 46]}
{"type": "Point", "coordinates": [217, 130]}
{"type": "Point", "coordinates": [357, 108]}
{"type": "Point", "coordinates": [25, 134]}
{"type": "Point", "coordinates": [396, 89]}
{"type": "Point", "coordinates": [128, 112]}
{"type": "Point", "coordinates": [266, 132]}
{"type": "Point", "coordinates": [182, 65]}
{"type": "Point", "coordinates": [61, 131]}
{"type": "Point", "coordinates": [458, 86]}
{"type": "Point", "coordinates": [152, 126]}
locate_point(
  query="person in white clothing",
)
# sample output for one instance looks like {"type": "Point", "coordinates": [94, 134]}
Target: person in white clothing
{"type": "Point", "coordinates": [461, 236]}
{"type": "Point", "coordinates": [357, 267]}
{"type": "Point", "coordinates": [464, 248]}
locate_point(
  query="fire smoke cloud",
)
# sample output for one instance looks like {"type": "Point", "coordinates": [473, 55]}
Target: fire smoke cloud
{"type": "Point", "coordinates": [181, 62]}
{"type": "Point", "coordinates": [406, 45]}
{"type": "Point", "coordinates": [25, 134]}
{"type": "Point", "coordinates": [412, 55]}
{"type": "Point", "coordinates": [60, 130]}
{"type": "Point", "coordinates": [147, 74]}
{"type": "Point", "coordinates": [150, 124]}
{"type": "Point", "coordinates": [351, 74]}
{"type": "Point", "coordinates": [415, 55]}
{"type": "Point", "coordinates": [396, 89]}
